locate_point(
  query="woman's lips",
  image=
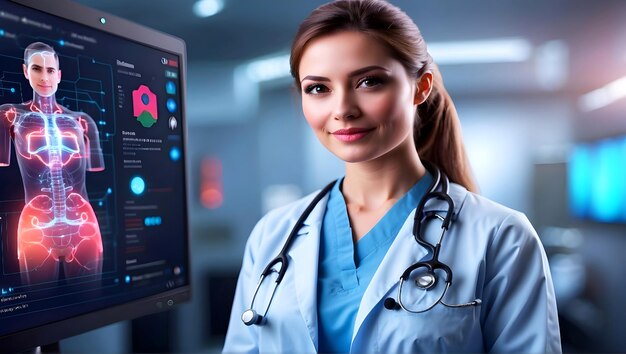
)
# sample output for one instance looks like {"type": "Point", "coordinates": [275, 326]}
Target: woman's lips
{"type": "Point", "coordinates": [351, 134]}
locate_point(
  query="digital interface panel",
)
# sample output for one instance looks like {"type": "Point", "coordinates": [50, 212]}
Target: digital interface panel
{"type": "Point", "coordinates": [92, 177]}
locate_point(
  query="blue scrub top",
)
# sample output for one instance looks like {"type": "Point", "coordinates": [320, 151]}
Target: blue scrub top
{"type": "Point", "coordinates": [345, 272]}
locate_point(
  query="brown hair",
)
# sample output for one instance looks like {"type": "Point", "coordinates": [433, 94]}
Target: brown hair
{"type": "Point", "coordinates": [437, 129]}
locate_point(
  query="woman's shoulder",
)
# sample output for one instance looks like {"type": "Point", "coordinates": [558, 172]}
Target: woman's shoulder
{"type": "Point", "coordinates": [483, 207]}
{"type": "Point", "coordinates": [274, 227]}
{"type": "Point", "coordinates": [290, 211]}
{"type": "Point", "coordinates": [272, 230]}
{"type": "Point", "coordinates": [494, 219]}
{"type": "Point", "coordinates": [501, 226]}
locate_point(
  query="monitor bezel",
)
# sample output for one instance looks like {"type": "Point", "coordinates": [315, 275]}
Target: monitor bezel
{"type": "Point", "coordinates": [56, 331]}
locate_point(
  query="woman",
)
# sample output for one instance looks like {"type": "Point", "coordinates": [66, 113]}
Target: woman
{"type": "Point", "coordinates": [374, 98]}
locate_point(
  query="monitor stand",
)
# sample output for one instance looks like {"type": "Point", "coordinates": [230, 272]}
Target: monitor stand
{"type": "Point", "coordinates": [44, 349]}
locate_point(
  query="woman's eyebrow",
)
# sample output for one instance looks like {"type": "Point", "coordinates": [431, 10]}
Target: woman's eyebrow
{"type": "Point", "coordinates": [367, 69]}
{"type": "Point", "coordinates": [315, 78]}
{"type": "Point", "coordinates": [356, 72]}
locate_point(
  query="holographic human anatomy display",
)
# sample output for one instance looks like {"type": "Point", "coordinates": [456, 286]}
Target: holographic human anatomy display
{"type": "Point", "coordinates": [54, 147]}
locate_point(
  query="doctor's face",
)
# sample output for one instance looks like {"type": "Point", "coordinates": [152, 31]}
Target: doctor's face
{"type": "Point", "coordinates": [43, 73]}
{"type": "Point", "coordinates": [358, 99]}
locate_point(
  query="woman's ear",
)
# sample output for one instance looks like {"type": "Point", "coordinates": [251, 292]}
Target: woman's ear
{"type": "Point", "coordinates": [423, 87]}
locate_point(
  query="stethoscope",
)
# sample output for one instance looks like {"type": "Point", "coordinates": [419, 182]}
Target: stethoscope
{"type": "Point", "coordinates": [426, 280]}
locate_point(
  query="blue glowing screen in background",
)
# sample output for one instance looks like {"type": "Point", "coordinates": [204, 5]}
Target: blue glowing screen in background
{"type": "Point", "coordinates": [597, 180]}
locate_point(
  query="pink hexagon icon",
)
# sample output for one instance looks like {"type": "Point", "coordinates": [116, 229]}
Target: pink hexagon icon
{"type": "Point", "coordinates": [144, 101]}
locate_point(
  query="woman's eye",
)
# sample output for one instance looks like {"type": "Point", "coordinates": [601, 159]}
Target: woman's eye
{"type": "Point", "coordinates": [370, 82]}
{"type": "Point", "coordinates": [315, 89]}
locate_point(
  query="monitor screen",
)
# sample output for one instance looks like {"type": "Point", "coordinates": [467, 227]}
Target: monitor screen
{"type": "Point", "coordinates": [93, 202]}
{"type": "Point", "coordinates": [596, 185]}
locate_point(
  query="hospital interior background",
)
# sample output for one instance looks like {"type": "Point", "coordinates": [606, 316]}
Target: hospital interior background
{"type": "Point", "coordinates": [540, 87]}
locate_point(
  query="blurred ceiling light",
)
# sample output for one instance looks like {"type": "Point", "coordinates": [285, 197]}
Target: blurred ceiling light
{"type": "Point", "coordinates": [552, 64]}
{"type": "Point", "coordinates": [603, 96]}
{"type": "Point", "coordinates": [444, 53]}
{"type": "Point", "coordinates": [504, 50]}
{"type": "Point", "coordinates": [269, 68]}
{"type": "Point", "coordinates": [207, 8]}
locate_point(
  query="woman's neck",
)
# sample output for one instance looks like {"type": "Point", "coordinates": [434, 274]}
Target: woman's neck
{"type": "Point", "coordinates": [46, 105]}
{"type": "Point", "coordinates": [373, 184]}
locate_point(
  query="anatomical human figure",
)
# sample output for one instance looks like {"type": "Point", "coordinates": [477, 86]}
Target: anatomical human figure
{"type": "Point", "coordinates": [54, 148]}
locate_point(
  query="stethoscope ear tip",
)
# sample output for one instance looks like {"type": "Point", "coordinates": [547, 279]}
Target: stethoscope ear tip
{"type": "Point", "coordinates": [391, 304]}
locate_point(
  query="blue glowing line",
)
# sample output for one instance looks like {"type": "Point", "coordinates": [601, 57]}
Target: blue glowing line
{"type": "Point", "coordinates": [80, 90]}
{"type": "Point", "coordinates": [85, 101]}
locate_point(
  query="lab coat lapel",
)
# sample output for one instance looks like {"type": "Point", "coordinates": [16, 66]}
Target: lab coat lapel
{"type": "Point", "coordinates": [304, 258]}
{"type": "Point", "coordinates": [403, 252]}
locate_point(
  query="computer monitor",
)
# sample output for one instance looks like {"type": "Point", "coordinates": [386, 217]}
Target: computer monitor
{"type": "Point", "coordinates": [596, 188]}
{"type": "Point", "coordinates": [93, 191]}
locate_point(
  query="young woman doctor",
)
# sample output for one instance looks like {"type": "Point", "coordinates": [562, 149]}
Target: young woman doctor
{"type": "Point", "coordinates": [391, 258]}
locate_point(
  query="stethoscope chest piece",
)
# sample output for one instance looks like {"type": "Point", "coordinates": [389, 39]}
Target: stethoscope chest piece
{"type": "Point", "coordinates": [426, 280]}
{"type": "Point", "coordinates": [250, 317]}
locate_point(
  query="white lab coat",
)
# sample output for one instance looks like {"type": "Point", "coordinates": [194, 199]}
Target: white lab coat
{"type": "Point", "coordinates": [494, 253]}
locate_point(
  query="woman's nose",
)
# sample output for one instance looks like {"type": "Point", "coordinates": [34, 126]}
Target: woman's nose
{"type": "Point", "coordinates": [346, 106]}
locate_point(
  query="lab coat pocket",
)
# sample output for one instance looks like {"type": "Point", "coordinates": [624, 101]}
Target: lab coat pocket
{"type": "Point", "coordinates": [439, 330]}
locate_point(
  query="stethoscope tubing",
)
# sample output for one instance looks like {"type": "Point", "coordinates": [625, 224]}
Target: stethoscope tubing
{"type": "Point", "coordinates": [250, 316]}
{"type": "Point", "coordinates": [282, 255]}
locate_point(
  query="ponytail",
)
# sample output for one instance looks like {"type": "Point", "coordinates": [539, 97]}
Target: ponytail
{"type": "Point", "coordinates": [438, 137]}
